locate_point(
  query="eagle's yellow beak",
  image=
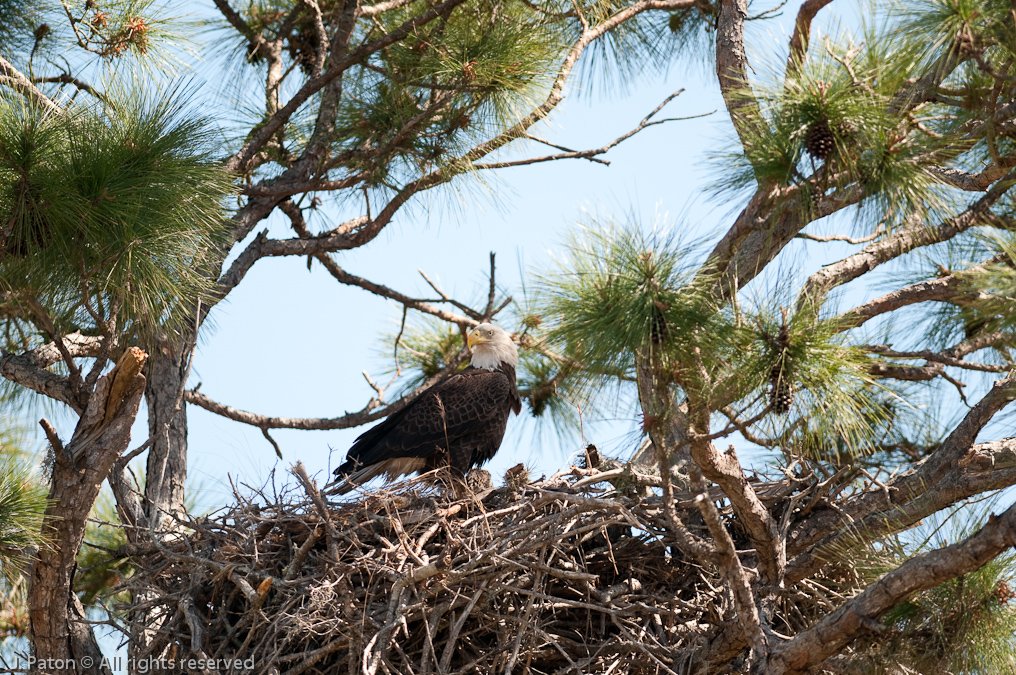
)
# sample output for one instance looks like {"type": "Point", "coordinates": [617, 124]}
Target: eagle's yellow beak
{"type": "Point", "coordinates": [476, 337]}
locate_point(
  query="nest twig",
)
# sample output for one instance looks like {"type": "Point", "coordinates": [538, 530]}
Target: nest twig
{"type": "Point", "coordinates": [566, 575]}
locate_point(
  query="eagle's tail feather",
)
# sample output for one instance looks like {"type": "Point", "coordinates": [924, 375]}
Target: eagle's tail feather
{"type": "Point", "coordinates": [350, 481]}
{"type": "Point", "coordinates": [351, 476]}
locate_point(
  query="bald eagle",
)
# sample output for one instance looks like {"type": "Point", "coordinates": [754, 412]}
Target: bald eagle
{"type": "Point", "coordinates": [458, 422]}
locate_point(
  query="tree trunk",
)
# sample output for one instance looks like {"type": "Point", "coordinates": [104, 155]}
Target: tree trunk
{"type": "Point", "coordinates": [62, 641]}
{"type": "Point", "coordinates": [167, 457]}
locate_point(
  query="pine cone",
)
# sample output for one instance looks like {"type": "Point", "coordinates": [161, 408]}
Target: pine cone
{"type": "Point", "coordinates": [538, 404]}
{"type": "Point", "coordinates": [658, 328]}
{"type": "Point", "coordinates": [781, 396]}
{"type": "Point", "coordinates": [820, 141]}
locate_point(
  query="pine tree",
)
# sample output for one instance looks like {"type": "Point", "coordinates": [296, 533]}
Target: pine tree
{"type": "Point", "coordinates": [123, 206]}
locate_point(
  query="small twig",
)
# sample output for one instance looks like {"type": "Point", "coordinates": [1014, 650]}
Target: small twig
{"type": "Point", "coordinates": [473, 314]}
{"type": "Point", "coordinates": [842, 237]}
{"type": "Point", "coordinates": [268, 436]}
{"type": "Point", "coordinates": [489, 312]}
{"type": "Point", "coordinates": [308, 485]}
{"type": "Point", "coordinates": [301, 554]}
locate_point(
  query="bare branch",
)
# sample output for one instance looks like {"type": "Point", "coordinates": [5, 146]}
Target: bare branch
{"type": "Point", "coordinates": [237, 22]}
{"type": "Point", "coordinates": [374, 410]}
{"type": "Point", "coordinates": [938, 357]}
{"type": "Point", "coordinates": [67, 78]}
{"type": "Point", "coordinates": [841, 237]}
{"type": "Point", "coordinates": [51, 435]}
{"type": "Point", "coordinates": [591, 155]}
{"type": "Point", "coordinates": [445, 298]}
{"type": "Point", "coordinates": [899, 243]}
{"type": "Point", "coordinates": [974, 182]}
{"type": "Point", "coordinates": [955, 471]}
{"type": "Point", "coordinates": [732, 69]}
{"type": "Point", "coordinates": [374, 10]}
{"type": "Point", "coordinates": [730, 565]}
{"type": "Point", "coordinates": [21, 370]}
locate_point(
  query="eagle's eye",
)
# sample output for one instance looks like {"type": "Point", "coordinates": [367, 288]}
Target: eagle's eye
{"type": "Point", "coordinates": [490, 332]}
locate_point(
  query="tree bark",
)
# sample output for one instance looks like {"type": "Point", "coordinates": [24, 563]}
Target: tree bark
{"type": "Point", "coordinates": [62, 642]}
{"type": "Point", "coordinates": [167, 457]}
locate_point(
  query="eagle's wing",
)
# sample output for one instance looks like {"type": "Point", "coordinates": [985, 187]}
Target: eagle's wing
{"type": "Point", "coordinates": [465, 413]}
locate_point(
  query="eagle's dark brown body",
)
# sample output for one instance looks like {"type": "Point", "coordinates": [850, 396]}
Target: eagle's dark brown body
{"type": "Point", "coordinates": [457, 423]}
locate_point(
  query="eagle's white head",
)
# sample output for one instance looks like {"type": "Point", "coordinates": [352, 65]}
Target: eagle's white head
{"type": "Point", "coordinates": [491, 347]}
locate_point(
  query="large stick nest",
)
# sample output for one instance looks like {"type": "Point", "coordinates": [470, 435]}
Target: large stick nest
{"type": "Point", "coordinates": [563, 575]}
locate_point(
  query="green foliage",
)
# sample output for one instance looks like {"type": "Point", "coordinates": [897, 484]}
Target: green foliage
{"type": "Point", "coordinates": [958, 25]}
{"type": "Point", "coordinates": [98, 571]}
{"type": "Point", "coordinates": [991, 289]}
{"type": "Point", "coordinates": [432, 95]}
{"type": "Point", "coordinates": [845, 93]}
{"type": "Point", "coordinates": [424, 349]}
{"type": "Point", "coordinates": [22, 503]}
{"type": "Point", "coordinates": [19, 19]}
{"type": "Point", "coordinates": [965, 625]}
{"type": "Point", "coordinates": [110, 213]}
{"type": "Point", "coordinates": [646, 45]}
{"type": "Point", "coordinates": [622, 294]}
{"type": "Point", "coordinates": [622, 291]}
{"type": "Point", "coordinates": [815, 357]}
{"type": "Point", "coordinates": [874, 424]}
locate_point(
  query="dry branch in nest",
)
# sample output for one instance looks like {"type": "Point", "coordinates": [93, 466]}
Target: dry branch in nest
{"type": "Point", "coordinates": [562, 575]}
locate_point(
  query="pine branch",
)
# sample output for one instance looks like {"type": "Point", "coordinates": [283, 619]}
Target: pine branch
{"type": "Point", "coordinates": [724, 469]}
{"type": "Point", "coordinates": [977, 182]}
{"type": "Point", "coordinates": [730, 566]}
{"type": "Point", "coordinates": [21, 371]}
{"type": "Point", "coordinates": [938, 357]}
{"type": "Point", "coordinates": [12, 77]}
{"type": "Point", "coordinates": [802, 34]}
{"type": "Point", "coordinates": [951, 288]}
{"type": "Point", "coordinates": [835, 631]}
{"type": "Point", "coordinates": [241, 161]}
{"type": "Point", "coordinates": [592, 154]}
{"type": "Point", "coordinates": [949, 475]}
{"type": "Point", "coordinates": [386, 6]}
{"type": "Point", "coordinates": [343, 277]}
{"type": "Point", "coordinates": [67, 78]}
{"type": "Point", "coordinates": [732, 71]}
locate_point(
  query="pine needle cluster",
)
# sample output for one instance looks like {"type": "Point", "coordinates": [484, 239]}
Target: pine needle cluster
{"type": "Point", "coordinates": [98, 571]}
{"type": "Point", "coordinates": [990, 306]}
{"type": "Point", "coordinates": [109, 213]}
{"type": "Point", "coordinates": [621, 296]}
{"type": "Point", "coordinates": [423, 348]}
{"type": "Point", "coordinates": [423, 101]}
{"type": "Point", "coordinates": [622, 291]}
{"type": "Point", "coordinates": [22, 503]}
{"type": "Point", "coordinates": [829, 124]}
